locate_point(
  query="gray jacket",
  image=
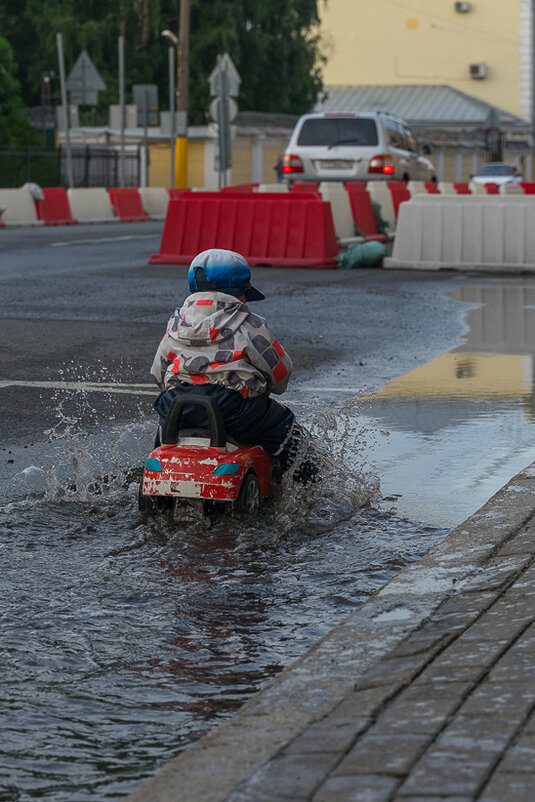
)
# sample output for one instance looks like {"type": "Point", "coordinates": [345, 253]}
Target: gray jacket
{"type": "Point", "coordinates": [215, 338]}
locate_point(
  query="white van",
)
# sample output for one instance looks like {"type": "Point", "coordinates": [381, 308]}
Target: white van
{"type": "Point", "coordinates": [354, 147]}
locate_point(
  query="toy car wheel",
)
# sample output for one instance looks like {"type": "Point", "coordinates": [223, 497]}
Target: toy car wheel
{"type": "Point", "coordinates": [248, 501]}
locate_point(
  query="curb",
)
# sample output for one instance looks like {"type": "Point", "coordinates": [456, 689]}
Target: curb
{"type": "Point", "coordinates": [310, 688]}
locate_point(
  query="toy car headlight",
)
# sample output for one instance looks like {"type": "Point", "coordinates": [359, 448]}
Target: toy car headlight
{"type": "Point", "coordinates": [153, 464]}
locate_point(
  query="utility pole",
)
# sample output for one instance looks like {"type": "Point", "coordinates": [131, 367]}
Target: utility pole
{"type": "Point", "coordinates": [172, 113]}
{"type": "Point", "coordinates": [183, 92]}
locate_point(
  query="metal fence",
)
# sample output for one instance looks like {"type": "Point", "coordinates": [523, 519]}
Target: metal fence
{"type": "Point", "coordinates": [98, 166]}
{"type": "Point", "coordinates": [93, 166]}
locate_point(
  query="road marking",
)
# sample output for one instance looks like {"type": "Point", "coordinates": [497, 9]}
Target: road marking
{"type": "Point", "coordinates": [66, 243]}
{"type": "Point", "coordinates": [88, 387]}
{"type": "Point", "coordinates": [134, 388]}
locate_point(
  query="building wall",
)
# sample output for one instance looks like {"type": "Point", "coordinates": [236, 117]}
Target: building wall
{"type": "Point", "coordinates": [428, 42]}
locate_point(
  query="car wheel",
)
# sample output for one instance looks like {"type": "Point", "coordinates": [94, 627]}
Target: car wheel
{"type": "Point", "coordinates": [248, 502]}
{"type": "Point", "coordinates": [147, 503]}
{"type": "Point", "coordinates": [406, 177]}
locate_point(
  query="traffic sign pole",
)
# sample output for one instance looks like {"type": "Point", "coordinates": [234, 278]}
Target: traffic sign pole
{"type": "Point", "coordinates": [68, 154]}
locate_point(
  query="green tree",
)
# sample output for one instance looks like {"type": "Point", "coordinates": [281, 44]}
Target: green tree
{"type": "Point", "coordinates": [275, 45]}
{"type": "Point", "coordinates": [15, 128]}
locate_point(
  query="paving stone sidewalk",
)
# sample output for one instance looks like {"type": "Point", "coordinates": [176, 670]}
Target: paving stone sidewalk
{"type": "Point", "coordinates": [449, 714]}
{"type": "Point", "coordinates": [426, 693]}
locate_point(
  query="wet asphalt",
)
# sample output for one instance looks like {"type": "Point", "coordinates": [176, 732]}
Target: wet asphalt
{"type": "Point", "coordinates": [82, 304]}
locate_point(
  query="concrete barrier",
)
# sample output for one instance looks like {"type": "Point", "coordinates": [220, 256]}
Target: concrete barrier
{"type": "Point", "coordinates": [511, 189]}
{"type": "Point", "coordinates": [91, 205]}
{"type": "Point", "coordinates": [155, 201]}
{"type": "Point", "coordinates": [334, 193]}
{"type": "Point", "coordinates": [19, 208]}
{"type": "Point", "coordinates": [379, 192]}
{"type": "Point", "coordinates": [495, 233]}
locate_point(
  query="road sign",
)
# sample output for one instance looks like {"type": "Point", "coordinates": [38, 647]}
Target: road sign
{"type": "Point", "coordinates": [232, 109]}
{"type": "Point", "coordinates": [84, 82]}
{"type": "Point", "coordinates": [225, 64]}
{"type": "Point", "coordinates": [224, 81]}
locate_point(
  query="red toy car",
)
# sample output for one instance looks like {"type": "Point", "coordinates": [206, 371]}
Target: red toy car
{"type": "Point", "coordinates": [199, 467]}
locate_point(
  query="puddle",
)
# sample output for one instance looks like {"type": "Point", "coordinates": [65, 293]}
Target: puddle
{"type": "Point", "coordinates": [459, 427]}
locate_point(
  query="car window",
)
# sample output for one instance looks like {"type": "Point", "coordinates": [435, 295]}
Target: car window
{"type": "Point", "coordinates": [496, 169]}
{"type": "Point", "coordinates": [412, 144]}
{"type": "Point", "coordinates": [394, 137]}
{"type": "Point", "coordinates": [329, 131]}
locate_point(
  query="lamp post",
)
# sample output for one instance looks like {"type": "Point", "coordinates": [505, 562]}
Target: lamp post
{"type": "Point", "coordinates": [179, 102]}
{"type": "Point", "coordinates": [171, 39]}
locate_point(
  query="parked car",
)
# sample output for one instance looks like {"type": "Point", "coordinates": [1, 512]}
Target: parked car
{"type": "Point", "coordinates": [354, 147]}
{"type": "Point", "coordinates": [497, 173]}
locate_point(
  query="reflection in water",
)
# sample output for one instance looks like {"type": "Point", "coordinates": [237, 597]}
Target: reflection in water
{"type": "Point", "coordinates": [457, 425]}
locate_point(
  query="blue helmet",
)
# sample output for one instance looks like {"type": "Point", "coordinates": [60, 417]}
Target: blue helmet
{"type": "Point", "coordinates": [224, 271]}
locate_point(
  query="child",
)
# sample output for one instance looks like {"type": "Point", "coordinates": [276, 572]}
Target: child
{"type": "Point", "coordinates": [215, 346]}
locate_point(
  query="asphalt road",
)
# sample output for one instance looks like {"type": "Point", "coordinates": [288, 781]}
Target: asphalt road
{"type": "Point", "coordinates": [81, 304]}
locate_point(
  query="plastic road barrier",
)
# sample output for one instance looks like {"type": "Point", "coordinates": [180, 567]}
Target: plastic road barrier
{"type": "Point", "coordinates": [379, 192]}
{"type": "Point", "coordinates": [446, 188]}
{"type": "Point", "coordinates": [481, 232]}
{"type": "Point", "coordinates": [400, 194]}
{"type": "Point", "coordinates": [432, 187]}
{"type": "Point", "coordinates": [477, 189]}
{"type": "Point", "coordinates": [273, 188]}
{"type": "Point", "coordinates": [363, 215]}
{"type": "Point", "coordinates": [155, 201]}
{"type": "Point", "coordinates": [334, 193]}
{"type": "Point", "coordinates": [91, 205]}
{"type": "Point", "coordinates": [462, 188]}
{"type": "Point", "coordinates": [528, 187]}
{"type": "Point", "coordinates": [305, 186]}
{"type": "Point", "coordinates": [54, 209]}
{"type": "Point", "coordinates": [241, 188]}
{"type": "Point", "coordinates": [357, 186]}
{"type": "Point", "coordinates": [273, 230]}
{"type": "Point", "coordinates": [19, 208]}
{"type": "Point", "coordinates": [127, 204]}
{"type": "Point", "coordinates": [492, 188]}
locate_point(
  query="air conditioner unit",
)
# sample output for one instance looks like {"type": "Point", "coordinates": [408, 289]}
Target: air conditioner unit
{"type": "Point", "coordinates": [463, 7]}
{"type": "Point", "coordinates": [478, 71]}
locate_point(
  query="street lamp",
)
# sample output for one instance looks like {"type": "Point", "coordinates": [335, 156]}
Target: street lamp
{"type": "Point", "coordinates": [179, 102]}
{"type": "Point", "coordinates": [169, 37]}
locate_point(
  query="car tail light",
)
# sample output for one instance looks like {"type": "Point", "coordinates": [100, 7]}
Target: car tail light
{"type": "Point", "coordinates": [381, 164]}
{"type": "Point", "coordinates": [292, 164]}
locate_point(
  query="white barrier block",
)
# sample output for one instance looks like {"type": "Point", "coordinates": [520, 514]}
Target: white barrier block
{"type": "Point", "coordinates": [379, 192]}
{"type": "Point", "coordinates": [19, 208]}
{"type": "Point", "coordinates": [495, 233]}
{"type": "Point", "coordinates": [477, 189]}
{"type": "Point", "coordinates": [155, 201]}
{"type": "Point", "coordinates": [91, 205]}
{"type": "Point", "coordinates": [273, 188]}
{"type": "Point", "coordinates": [416, 187]}
{"type": "Point", "coordinates": [446, 188]}
{"type": "Point", "coordinates": [511, 189]}
{"type": "Point", "coordinates": [335, 193]}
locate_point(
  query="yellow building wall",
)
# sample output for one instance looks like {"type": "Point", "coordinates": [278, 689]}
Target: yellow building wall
{"type": "Point", "coordinates": [465, 375]}
{"type": "Point", "coordinates": [271, 157]}
{"type": "Point", "coordinates": [160, 164]}
{"type": "Point", "coordinates": [426, 42]}
{"type": "Point", "coordinates": [241, 164]}
{"type": "Point", "coordinates": [195, 164]}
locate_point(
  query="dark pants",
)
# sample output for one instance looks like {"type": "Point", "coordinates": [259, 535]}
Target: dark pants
{"type": "Point", "coordinates": [252, 421]}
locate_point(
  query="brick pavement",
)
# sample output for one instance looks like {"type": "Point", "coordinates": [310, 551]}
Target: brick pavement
{"type": "Point", "coordinates": [448, 714]}
{"type": "Point", "coordinates": [426, 693]}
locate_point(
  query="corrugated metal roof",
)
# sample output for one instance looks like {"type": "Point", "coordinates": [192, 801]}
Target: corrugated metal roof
{"type": "Point", "coordinates": [418, 104]}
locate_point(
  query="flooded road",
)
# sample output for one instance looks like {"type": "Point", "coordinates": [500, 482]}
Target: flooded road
{"type": "Point", "coordinates": [461, 425]}
{"type": "Point", "coordinates": [122, 639]}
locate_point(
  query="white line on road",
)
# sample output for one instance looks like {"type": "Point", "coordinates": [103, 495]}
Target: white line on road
{"type": "Point", "coordinates": [66, 243]}
{"type": "Point", "coordinates": [134, 389]}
